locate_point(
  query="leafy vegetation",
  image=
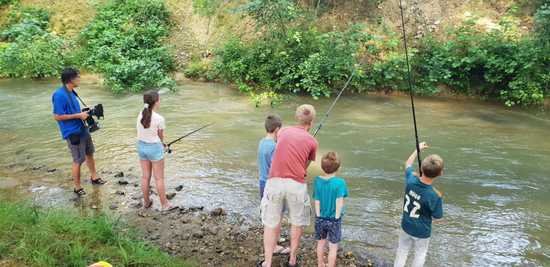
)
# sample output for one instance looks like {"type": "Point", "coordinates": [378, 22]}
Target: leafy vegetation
{"type": "Point", "coordinates": [124, 42]}
{"type": "Point", "coordinates": [30, 236]}
{"type": "Point", "coordinates": [30, 50]}
{"type": "Point", "coordinates": [292, 56]}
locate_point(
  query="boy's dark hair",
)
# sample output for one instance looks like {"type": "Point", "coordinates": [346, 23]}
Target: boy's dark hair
{"type": "Point", "coordinates": [272, 122]}
{"type": "Point", "coordinates": [432, 166]}
{"type": "Point", "coordinates": [68, 75]}
{"type": "Point", "coordinates": [330, 162]}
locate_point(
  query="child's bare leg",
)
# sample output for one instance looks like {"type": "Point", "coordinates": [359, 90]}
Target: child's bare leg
{"type": "Point", "coordinates": [158, 172]}
{"type": "Point", "coordinates": [321, 244]}
{"type": "Point", "coordinates": [332, 250]}
{"type": "Point", "coordinates": [145, 181]}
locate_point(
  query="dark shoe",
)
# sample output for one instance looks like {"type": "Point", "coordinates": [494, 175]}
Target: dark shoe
{"type": "Point", "coordinates": [148, 205]}
{"type": "Point", "coordinates": [98, 181]}
{"type": "Point", "coordinates": [260, 263]}
{"type": "Point", "coordinates": [80, 192]}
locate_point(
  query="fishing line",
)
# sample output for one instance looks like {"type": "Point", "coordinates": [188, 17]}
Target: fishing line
{"type": "Point", "coordinates": [169, 150]}
{"type": "Point", "coordinates": [332, 105]}
{"type": "Point", "coordinates": [411, 91]}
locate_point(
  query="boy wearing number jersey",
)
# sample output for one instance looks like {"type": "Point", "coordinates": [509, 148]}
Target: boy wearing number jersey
{"type": "Point", "coordinates": [421, 204]}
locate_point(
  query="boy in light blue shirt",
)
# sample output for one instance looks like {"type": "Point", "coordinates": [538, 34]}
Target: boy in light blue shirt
{"type": "Point", "coordinates": [329, 194]}
{"type": "Point", "coordinates": [266, 149]}
{"type": "Point", "coordinates": [421, 203]}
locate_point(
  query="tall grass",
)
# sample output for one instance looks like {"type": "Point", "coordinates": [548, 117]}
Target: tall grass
{"type": "Point", "coordinates": [31, 236]}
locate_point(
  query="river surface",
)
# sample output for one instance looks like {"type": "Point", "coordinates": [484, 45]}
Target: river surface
{"type": "Point", "coordinates": [496, 183]}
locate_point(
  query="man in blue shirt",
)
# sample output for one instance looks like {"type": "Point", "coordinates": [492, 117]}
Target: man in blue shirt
{"type": "Point", "coordinates": [422, 203]}
{"type": "Point", "coordinates": [70, 118]}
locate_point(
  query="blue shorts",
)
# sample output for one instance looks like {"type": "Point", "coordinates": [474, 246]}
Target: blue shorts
{"type": "Point", "coordinates": [328, 228]}
{"type": "Point", "coordinates": [150, 151]}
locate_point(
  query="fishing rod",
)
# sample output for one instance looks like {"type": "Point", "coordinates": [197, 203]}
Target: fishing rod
{"type": "Point", "coordinates": [169, 150]}
{"type": "Point", "coordinates": [411, 91]}
{"type": "Point", "coordinates": [332, 105]}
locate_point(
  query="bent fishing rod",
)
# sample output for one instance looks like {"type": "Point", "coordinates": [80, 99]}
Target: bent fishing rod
{"type": "Point", "coordinates": [169, 150]}
{"type": "Point", "coordinates": [411, 90]}
{"type": "Point", "coordinates": [332, 105]}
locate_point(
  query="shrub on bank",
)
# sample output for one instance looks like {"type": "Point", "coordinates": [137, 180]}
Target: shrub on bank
{"type": "Point", "coordinates": [29, 50]}
{"type": "Point", "coordinates": [31, 236]}
{"type": "Point", "coordinates": [124, 42]}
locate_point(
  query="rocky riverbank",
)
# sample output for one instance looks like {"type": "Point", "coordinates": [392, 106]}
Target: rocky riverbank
{"type": "Point", "coordinates": [211, 237]}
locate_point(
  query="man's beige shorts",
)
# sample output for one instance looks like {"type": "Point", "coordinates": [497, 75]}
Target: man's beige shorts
{"type": "Point", "coordinates": [285, 192]}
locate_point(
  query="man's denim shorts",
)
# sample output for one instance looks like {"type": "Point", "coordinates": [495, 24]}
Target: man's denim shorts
{"type": "Point", "coordinates": [150, 151]}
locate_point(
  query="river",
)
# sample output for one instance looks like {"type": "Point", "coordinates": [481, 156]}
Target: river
{"type": "Point", "coordinates": [496, 183]}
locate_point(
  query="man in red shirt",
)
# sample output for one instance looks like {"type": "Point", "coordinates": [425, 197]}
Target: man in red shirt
{"type": "Point", "coordinates": [286, 186]}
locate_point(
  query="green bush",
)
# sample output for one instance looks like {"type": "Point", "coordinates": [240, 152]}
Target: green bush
{"type": "Point", "coordinates": [31, 236]}
{"type": "Point", "coordinates": [39, 57]}
{"type": "Point", "coordinates": [30, 51]}
{"type": "Point", "coordinates": [305, 61]}
{"type": "Point", "coordinates": [199, 69]}
{"type": "Point", "coordinates": [124, 42]}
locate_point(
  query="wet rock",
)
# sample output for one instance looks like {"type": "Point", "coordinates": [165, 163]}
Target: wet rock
{"type": "Point", "coordinates": [113, 207]}
{"type": "Point", "coordinates": [348, 255]}
{"type": "Point", "coordinates": [198, 234]}
{"type": "Point", "coordinates": [218, 212]}
{"type": "Point", "coordinates": [198, 208]}
{"type": "Point", "coordinates": [119, 174]}
{"type": "Point", "coordinates": [213, 230]}
{"type": "Point", "coordinates": [94, 207]}
{"type": "Point", "coordinates": [137, 205]}
{"type": "Point", "coordinates": [120, 193]}
{"type": "Point", "coordinates": [170, 195]}
{"type": "Point", "coordinates": [155, 237]}
{"type": "Point", "coordinates": [51, 170]}
{"type": "Point", "coordinates": [179, 188]}
{"type": "Point", "coordinates": [35, 168]}
{"type": "Point", "coordinates": [122, 182]}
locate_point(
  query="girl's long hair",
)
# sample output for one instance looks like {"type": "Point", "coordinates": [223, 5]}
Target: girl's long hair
{"type": "Point", "coordinates": [150, 98]}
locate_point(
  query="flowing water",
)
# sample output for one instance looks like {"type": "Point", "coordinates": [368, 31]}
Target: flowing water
{"type": "Point", "coordinates": [496, 183]}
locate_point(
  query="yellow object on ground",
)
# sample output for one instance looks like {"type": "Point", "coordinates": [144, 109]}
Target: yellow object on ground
{"type": "Point", "coordinates": [101, 264]}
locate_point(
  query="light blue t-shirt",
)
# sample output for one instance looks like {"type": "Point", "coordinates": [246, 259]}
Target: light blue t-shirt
{"type": "Point", "coordinates": [421, 204]}
{"type": "Point", "coordinates": [327, 191]}
{"type": "Point", "coordinates": [266, 149]}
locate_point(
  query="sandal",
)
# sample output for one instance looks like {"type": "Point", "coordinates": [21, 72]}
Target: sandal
{"type": "Point", "coordinates": [80, 192]}
{"type": "Point", "coordinates": [98, 181]}
{"type": "Point", "coordinates": [148, 205]}
{"type": "Point", "coordinates": [260, 263]}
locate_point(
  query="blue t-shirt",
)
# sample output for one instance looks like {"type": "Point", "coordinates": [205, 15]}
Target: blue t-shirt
{"type": "Point", "coordinates": [266, 149]}
{"type": "Point", "coordinates": [65, 102]}
{"type": "Point", "coordinates": [421, 204]}
{"type": "Point", "coordinates": [327, 191]}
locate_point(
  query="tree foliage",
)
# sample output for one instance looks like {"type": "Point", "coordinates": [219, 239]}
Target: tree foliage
{"type": "Point", "coordinates": [124, 42]}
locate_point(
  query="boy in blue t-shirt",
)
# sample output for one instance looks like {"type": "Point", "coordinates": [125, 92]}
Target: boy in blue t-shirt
{"type": "Point", "coordinates": [266, 149]}
{"type": "Point", "coordinates": [422, 203]}
{"type": "Point", "coordinates": [329, 194]}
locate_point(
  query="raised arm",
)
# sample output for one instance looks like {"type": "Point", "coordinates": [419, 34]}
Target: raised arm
{"type": "Point", "coordinates": [412, 157]}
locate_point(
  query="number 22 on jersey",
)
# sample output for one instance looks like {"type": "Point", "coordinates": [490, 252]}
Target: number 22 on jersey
{"type": "Point", "coordinates": [415, 207]}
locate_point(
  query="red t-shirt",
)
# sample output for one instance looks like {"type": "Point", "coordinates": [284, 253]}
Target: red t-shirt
{"type": "Point", "coordinates": [295, 147]}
